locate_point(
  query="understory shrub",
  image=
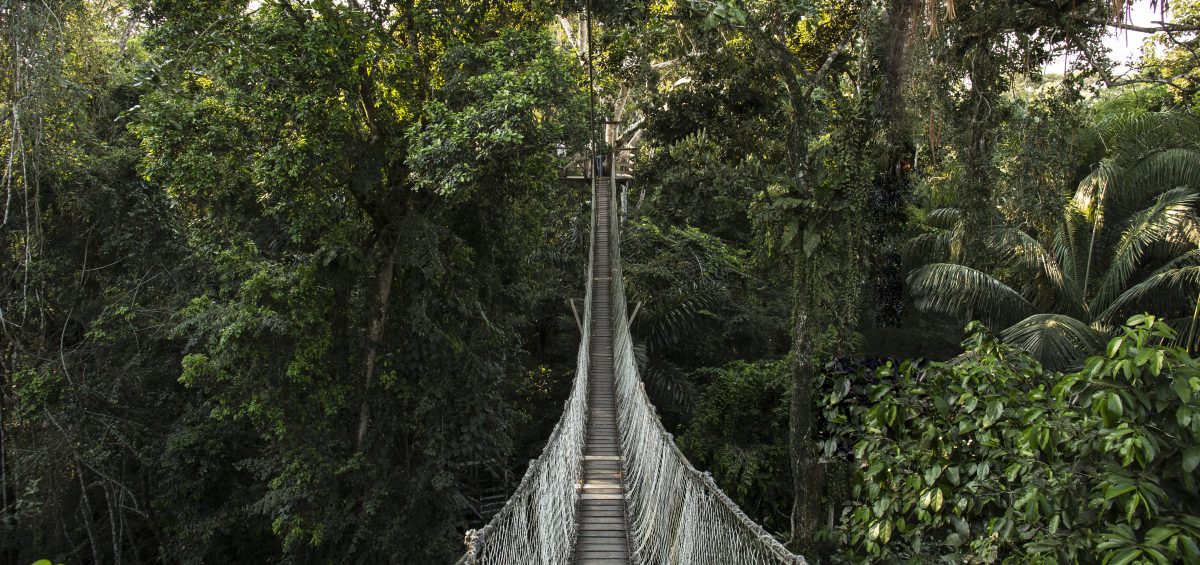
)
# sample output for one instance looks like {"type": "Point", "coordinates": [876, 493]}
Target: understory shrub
{"type": "Point", "coordinates": [739, 432]}
{"type": "Point", "coordinates": [993, 459]}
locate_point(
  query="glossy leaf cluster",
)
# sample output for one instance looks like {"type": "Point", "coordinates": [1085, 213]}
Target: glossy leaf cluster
{"type": "Point", "coordinates": [993, 459]}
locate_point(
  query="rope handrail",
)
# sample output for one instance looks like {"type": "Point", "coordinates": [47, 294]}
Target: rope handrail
{"type": "Point", "coordinates": [538, 522]}
{"type": "Point", "coordinates": [676, 513]}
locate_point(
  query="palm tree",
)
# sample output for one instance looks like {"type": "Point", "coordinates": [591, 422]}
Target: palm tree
{"type": "Point", "coordinates": [1129, 241]}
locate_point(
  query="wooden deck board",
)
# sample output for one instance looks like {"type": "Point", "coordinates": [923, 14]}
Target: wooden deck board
{"type": "Point", "coordinates": [602, 536]}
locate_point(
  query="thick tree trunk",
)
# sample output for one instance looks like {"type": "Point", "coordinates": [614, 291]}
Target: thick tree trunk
{"type": "Point", "coordinates": [805, 488]}
{"type": "Point", "coordinates": [375, 322]}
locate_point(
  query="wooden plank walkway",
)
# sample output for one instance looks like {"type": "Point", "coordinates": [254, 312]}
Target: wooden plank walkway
{"type": "Point", "coordinates": [602, 530]}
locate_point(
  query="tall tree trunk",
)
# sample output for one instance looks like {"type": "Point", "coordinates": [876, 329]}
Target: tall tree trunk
{"type": "Point", "coordinates": [978, 120]}
{"type": "Point", "coordinates": [805, 490]}
{"type": "Point", "coordinates": [8, 492]}
{"type": "Point", "coordinates": [800, 409]}
{"type": "Point", "coordinates": [887, 206]}
{"type": "Point", "coordinates": [375, 322]}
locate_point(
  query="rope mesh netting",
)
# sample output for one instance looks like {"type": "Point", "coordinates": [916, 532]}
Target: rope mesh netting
{"type": "Point", "coordinates": [675, 514]}
{"type": "Point", "coordinates": [537, 523]}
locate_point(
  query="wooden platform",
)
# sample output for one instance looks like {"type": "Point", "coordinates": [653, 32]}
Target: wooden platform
{"type": "Point", "coordinates": [602, 538]}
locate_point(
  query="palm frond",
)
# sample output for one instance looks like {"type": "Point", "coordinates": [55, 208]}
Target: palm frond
{"type": "Point", "coordinates": [1158, 171]}
{"type": "Point", "coordinates": [934, 246]}
{"type": "Point", "coordinates": [1146, 154]}
{"type": "Point", "coordinates": [1168, 291]}
{"type": "Point", "coordinates": [954, 289]}
{"type": "Point", "coordinates": [1187, 330]}
{"type": "Point", "coordinates": [1167, 216]}
{"type": "Point", "coordinates": [671, 318]}
{"type": "Point", "coordinates": [1094, 189]}
{"type": "Point", "coordinates": [1027, 254]}
{"type": "Point", "coordinates": [1057, 340]}
{"type": "Point", "coordinates": [944, 218]}
{"type": "Point", "coordinates": [942, 240]}
{"type": "Point", "coordinates": [1134, 135]}
{"type": "Point", "coordinates": [1070, 246]}
{"type": "Point", "coordinates": [668, 386]}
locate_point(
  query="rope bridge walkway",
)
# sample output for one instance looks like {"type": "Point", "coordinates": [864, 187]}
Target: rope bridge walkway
{"type": "Point", "coordinates": [611, 486]}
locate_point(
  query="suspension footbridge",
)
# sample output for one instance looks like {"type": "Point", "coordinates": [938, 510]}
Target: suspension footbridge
{"type": "Point", "coordinates": [611, 486]}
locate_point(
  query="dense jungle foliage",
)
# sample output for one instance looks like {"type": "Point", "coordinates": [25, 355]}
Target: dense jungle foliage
{"type": "Point", "coordinates": [291, 281]}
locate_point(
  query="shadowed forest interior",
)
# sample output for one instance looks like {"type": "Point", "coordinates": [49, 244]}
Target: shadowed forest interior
{"type": "Point", "coordinates": [299, 281]}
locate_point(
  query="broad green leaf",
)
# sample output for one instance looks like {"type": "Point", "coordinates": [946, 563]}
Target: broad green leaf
{"type": "Point", "coordinates": [1114, 346]}
{"type": "Point", "coordinates": [942, 406]}
{"type": "Point", "coordinates": [1113, 409]}
{"type": "Point", "coordinates": [1182, 389]}
{"type": "Point", "coordinates": [1132, 506]}
{"type": "Point", "coordinates": [881, 505]}
{"type": "Point", "coordinates": [1191, 459]}
{"type": "Point", "coordinates": [952, 473]}
{"type": "Point", "coordinates": [878, 530]}
{"type": "Point", "coordinates": [885, 531]}
{"type": "Point", "coordinates": [1160, 534]}
{"type": "Point", "coordinates": [1157, 555]}
{"type": "Point", "coordinates": [1125, 557]}
{"type": "Point", "coordinates": [932, 474]}
{"type": "Point", "coordinates": [1113, 491]}
{"type": "Point", "coordinates": [789, 233]}
{"type": "Point", "coordinates": [1156, 364]}
{"type": "Point", "coordinates": [995, 409]}
{"type": "Point", "coordinates": [1027, 497]}
{"type": "Point", "coordinates": [1143, 356]}
{"type": "Point", "coordinates": [812, 238]}
{"type": "Point", "coordinates": [843, 388]}
{"type": "Point", "coordinates": [926, 498]}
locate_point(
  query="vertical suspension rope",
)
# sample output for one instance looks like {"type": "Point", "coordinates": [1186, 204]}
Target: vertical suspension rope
{"type": "Point", "coordinates": [592, 149]}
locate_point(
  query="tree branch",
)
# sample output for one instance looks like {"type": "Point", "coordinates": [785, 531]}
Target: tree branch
{"type": "Point", "coordinates": [1162, 26]}
{"type": "Point", "coordinates": [1144, 80]}
{"type": "Point", "coordinates": [576, 47]}
{"type": "Point", "coordinates": [816, 78]}
{"type": "Point", "coordinates": [1184, 44]}
{"type": "Point", "coordinates": [1104, 76]}
{"type": "Point", "coordinates": [634, 127]}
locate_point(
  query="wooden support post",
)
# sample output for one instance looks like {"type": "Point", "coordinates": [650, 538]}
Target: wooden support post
{"type": "Point", "coordinates": [578, 322]}
{"type": "Point", "coordinates": [636, 307]}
